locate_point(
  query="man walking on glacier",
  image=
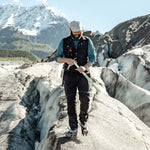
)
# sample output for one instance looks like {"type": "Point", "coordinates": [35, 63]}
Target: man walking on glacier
{"type": "Point", "coordinates": [79, 49]}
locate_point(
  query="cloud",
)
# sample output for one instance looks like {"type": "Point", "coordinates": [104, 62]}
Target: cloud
{"type": "Point", "coordinates": [17, 1]}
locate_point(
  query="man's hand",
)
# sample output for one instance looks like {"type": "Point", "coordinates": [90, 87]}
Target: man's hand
{"type": "Point", "coordinates": [70, 61]}
{"type": "Point", "coordinates": [81, 69]}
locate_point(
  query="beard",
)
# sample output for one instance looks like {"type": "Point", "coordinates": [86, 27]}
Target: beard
{"type": "Point", "coordinates": [77, 37]}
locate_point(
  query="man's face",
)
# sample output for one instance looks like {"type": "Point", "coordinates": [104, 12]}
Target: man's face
{"type": "Point", "coordinates": [76, 35]}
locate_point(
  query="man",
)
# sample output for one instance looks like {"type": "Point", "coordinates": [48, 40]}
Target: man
{"type": "Point", "coordinates": [76, 48]}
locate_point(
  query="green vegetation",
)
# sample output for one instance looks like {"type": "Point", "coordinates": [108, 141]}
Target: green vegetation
{"type": "Point", "coordinates": [17, 55]}
{"type": "Point", "coordinates": [20, 42]}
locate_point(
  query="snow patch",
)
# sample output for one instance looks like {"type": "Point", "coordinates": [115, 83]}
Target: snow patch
{"type": "Point", "coordinates": [28, 32]}
{"type": "Point", "coordinates": [10, 21]}
{"type": "Point", "coordinates": [37, 24]}
{"type": "Point", "coordinates": [137, 51]}
{"type": "Point", "coordinates": [38, 18]}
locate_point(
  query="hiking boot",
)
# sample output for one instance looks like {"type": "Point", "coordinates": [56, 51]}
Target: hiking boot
{"type": "Point", "coordinates": [71, 133]}
{"type": "Point", "coordinates": [84, 129]}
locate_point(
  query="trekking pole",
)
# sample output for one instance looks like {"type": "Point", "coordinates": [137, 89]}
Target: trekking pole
{"type": "Point", "coordinates": [89, 79]}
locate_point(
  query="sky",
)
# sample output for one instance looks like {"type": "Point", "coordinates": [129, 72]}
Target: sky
{"type": "Point", "coordinates": [101, 15]}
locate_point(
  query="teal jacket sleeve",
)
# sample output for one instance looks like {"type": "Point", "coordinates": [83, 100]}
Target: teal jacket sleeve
{"type": "Point", "coordinates": [59, 52]}
{"type": "Point", "coordinates": [91, 51]}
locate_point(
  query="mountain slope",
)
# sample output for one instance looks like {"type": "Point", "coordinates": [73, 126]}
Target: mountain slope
{"type": "Point", "coordinates": [14, 40]}
{"type": "Point", "coordinates": [125, 36]}
{"type": "Point", "coordinates": [39, 23]}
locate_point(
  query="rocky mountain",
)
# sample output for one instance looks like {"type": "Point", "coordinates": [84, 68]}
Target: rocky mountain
{"type": "Point", "coordinates": [124, 37]}
{"type": "Point", "coordinates": [39, 23]}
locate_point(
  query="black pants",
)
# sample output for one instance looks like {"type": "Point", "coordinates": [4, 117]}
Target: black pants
{"type": "Point", "coordinates": [72, 82]}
